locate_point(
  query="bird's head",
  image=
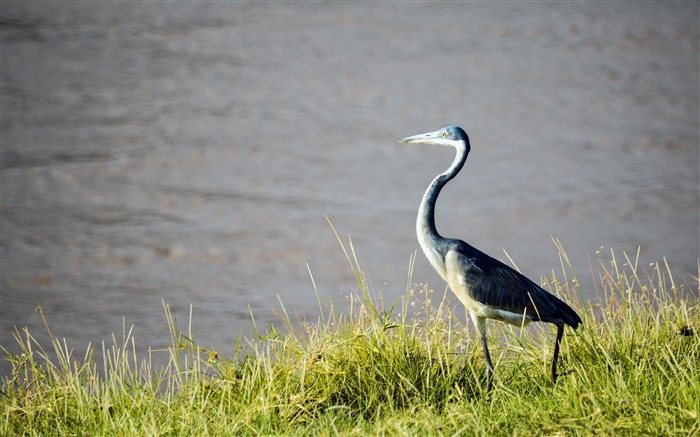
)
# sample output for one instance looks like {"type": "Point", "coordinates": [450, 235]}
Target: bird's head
{"type": "Point", "coordinates": [448, 136]}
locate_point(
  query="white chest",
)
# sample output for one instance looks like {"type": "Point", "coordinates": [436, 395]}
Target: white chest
{"type": "Point", "coordinates": [434, 257]}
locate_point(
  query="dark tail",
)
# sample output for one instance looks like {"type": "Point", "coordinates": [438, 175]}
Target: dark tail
{"type": "Point", "coordinates": [567, 314]}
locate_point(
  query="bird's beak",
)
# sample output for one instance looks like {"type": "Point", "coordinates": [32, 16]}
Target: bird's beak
{"type": "Point", "coordinates": [426, 138]}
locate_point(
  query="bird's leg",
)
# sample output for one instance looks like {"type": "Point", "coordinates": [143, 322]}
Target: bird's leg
{"type": "Point", "coordinates": [489, 365]}
{"type": "Point", "coordinates": [560, 333]}
{"type": "Point", "coordinates": [480, 325]}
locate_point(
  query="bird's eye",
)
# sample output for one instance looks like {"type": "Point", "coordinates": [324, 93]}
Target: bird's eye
{"type": "Point", "coordinates": [443, 134]}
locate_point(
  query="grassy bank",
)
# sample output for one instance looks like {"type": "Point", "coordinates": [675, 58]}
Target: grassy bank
{"type": "Point", "coordinates": [369, 368]}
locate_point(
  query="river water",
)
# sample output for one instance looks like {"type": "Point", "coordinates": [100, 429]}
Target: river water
{"type": "Point", "coordinates": [190, 151]}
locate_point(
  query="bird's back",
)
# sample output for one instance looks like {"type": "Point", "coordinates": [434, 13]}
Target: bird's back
{"type": "Point", "coordinates": [498, 286]}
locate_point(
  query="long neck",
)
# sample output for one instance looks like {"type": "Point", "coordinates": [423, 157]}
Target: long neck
{"type": "Point", "coordinates": [430, 240]}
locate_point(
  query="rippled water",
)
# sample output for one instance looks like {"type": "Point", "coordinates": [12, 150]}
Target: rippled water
{"type": "Point", "coordinates": [188, 152]}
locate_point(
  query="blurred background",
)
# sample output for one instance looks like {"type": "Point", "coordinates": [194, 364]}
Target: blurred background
{"type": "Point", "coordinates": [189, 151]}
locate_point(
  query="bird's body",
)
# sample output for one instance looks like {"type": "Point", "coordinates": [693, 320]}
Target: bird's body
{"type": "Point", "coordinates": [486, 287]}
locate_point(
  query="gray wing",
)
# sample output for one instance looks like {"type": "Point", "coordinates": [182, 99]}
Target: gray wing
{"type": "Point", "coordinates": [493, 283]}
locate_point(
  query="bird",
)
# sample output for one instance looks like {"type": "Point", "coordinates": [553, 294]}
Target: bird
{"type": "Point", "coordinates": [486, 287]}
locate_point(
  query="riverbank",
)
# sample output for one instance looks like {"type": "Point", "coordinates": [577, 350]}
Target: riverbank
{"type": "Point", "coordinates": [409, 367]}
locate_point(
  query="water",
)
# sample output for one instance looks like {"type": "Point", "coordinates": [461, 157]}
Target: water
{"type": "Point", "coordinates": [189, 152]}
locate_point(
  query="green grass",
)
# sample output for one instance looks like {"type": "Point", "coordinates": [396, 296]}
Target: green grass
{"type": "Point", "coordinates": [407, 368]}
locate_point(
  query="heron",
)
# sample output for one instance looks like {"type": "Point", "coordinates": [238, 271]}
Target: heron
{"type": "Point", "coordinates": [487, 288]}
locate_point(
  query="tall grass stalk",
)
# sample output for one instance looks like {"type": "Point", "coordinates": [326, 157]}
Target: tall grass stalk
{"type": "Point", "coordinates": [411, 367]}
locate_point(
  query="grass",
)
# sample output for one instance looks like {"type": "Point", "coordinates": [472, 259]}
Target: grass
{"type": "Point", "coordinates": [408, 368]}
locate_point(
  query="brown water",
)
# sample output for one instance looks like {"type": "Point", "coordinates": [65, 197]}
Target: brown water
{"type": "Point", "coordinates": [189, 151]}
